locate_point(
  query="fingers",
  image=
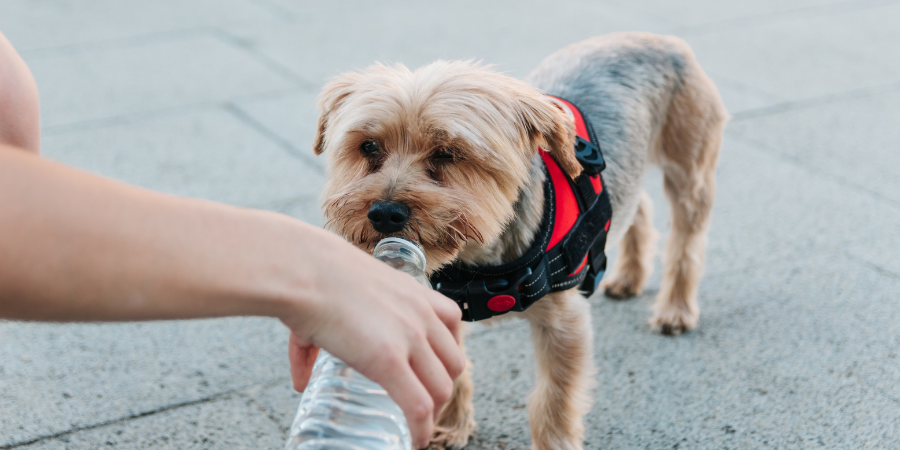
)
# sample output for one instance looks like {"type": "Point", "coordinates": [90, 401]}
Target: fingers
{"type": "Point", "coordinates": [448, 312]}
{"type": "Point", "coordinates": [302, 357]}
{"type": "Point", "coordinates": [433, 375]}
{"type": "Point", "coordinates": [446, 349]}
{"type": "Point", "coordinates": [405, 388]}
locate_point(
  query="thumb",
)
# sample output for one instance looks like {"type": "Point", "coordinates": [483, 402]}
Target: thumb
{"type": "Point", "coordinates": [302, 356]}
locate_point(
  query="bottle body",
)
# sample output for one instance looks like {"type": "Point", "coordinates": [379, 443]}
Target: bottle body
{"type": "Point", "coordinates": [343, 410]}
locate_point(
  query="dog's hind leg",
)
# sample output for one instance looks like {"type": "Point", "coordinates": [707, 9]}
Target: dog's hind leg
{"type": "Point", "coordinates": [636, 250]}
{"type": "Point", "coordinates": [563, 339]}
{"type": "Point", "coordinates": [688, 150]}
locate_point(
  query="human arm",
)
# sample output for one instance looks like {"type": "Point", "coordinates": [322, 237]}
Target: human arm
{"type": "Point", "coordinates": [78, 247]}
{"type": "Point", "coordinates": [19, 108]}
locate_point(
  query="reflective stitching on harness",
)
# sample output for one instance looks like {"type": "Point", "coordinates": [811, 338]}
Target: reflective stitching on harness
{"type": "Point", "coordinates": [539, 290]}
{"type": "Point", "coordinates": [564, 283]}
{"type": "Point", "coordinates": [538, 277]}
{"type": "Point", "coordinates": [558, 271]}
{"type": "Point", "coordinates": [557, 257]}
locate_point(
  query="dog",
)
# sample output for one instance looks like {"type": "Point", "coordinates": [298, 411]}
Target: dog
{"type": "Point", "coordinates": [448, 156]}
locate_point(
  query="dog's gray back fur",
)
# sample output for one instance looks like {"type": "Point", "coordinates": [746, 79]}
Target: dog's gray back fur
{"type": "Point", "coordinates": [623, 83]}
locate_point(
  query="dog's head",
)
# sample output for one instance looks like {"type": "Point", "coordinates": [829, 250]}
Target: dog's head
{"type": "Point", "coordinates": [437, 155]}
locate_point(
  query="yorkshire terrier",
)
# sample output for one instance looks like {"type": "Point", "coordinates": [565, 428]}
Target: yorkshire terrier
{"type": "Point", "coordinates": [448, 156]}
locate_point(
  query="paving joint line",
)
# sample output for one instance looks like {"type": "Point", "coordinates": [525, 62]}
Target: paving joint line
{"type": "Point", "coordinates": [280, 205]}
{"type": "Point", "coordinates": [268, 411]}
{"type": "Point", "coordinates": [236, 42]}
{"type": "Point", "coordinates": [125, 119]}
{"type": "Point", "coordinates": [811, 102]}
{"type": "Point", "coordinates": [132, 117]}
{"type": "Point", "coordinates": [744, 88]}
{"type": "Point", "coordinates": [874, 195]}
{"type": "Point", "coordinates": [267, 133]}
{"type": "Point", "coordinates": [139, 415]}
{"type": "Point", "coordinates": [115, 43]}
{"type": "Point", "coordinates": [808, 12]}
{"type": "Point", "coordinates": [871, 265]}
{"type": "Point", "coordinates": [171, 407]}
{"type": "Point", "coordinates": [285, 14]}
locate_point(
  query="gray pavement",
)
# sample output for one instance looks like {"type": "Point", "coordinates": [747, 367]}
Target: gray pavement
{"type": "Point", "coordinates": [799, 335]}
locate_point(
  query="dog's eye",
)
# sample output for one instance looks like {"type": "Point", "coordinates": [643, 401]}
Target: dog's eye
{"type": "Point", "coordinates": [444, 154]}
{"type": "Point", "coordinates": [369, 148]}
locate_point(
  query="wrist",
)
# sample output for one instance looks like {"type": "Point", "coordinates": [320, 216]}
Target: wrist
{"type": "Point", "coordinates": [302, 277]}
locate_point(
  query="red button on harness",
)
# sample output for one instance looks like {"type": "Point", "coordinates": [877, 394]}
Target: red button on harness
{"type": "Point", "coordinates": [501, 303]}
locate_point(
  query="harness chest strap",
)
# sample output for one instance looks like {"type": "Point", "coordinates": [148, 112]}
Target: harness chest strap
{"type": "Point", "coordinates": [567, 251]}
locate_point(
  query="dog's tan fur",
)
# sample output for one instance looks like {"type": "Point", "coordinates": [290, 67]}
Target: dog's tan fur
{"type": "Point", "coordinates": [485, 205]}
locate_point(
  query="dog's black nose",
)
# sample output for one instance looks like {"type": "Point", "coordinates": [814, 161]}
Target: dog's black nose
{"type": "Point", "coordinates": [388, 217]}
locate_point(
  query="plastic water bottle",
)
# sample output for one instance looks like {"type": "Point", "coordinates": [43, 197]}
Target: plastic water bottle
{"type": "Point", "coordinates": [343, 410]}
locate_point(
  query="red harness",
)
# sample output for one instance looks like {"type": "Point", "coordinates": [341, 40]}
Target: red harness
{"type": "Point", "coordinates": [572, 236]}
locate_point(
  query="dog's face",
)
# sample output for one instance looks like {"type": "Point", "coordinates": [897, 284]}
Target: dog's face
{"type": "Point", "coordinates": [436, 156]}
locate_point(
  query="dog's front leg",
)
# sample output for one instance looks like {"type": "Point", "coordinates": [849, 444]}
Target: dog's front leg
{"type": "Point", "coordinates": [563, 342]}
{"type": "Point", "coordinates": [456, 422]}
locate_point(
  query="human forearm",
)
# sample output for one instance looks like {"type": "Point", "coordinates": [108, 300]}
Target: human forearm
{"type": "Point", "coordinates": [74, 246]}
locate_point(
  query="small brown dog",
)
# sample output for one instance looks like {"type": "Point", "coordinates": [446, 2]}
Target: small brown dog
{"type": "Point", "coordinates": [448, 155]}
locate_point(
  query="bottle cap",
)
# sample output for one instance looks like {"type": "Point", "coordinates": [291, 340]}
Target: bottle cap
{"type": "Point", "coordinates": [413, 246]}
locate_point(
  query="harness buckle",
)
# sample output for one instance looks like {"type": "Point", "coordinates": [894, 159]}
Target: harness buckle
{"type": "Point", "coordinates": [483, 299]}
{"type": "Point", "coordinates": [589, 156]}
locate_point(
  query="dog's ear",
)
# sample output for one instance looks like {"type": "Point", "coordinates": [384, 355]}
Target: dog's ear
{"type": "Point", "coordinates": [333, 94]}
{"type": "Point", "coordinates": [552, 130]}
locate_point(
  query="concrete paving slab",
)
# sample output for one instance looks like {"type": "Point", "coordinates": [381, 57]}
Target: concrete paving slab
{"type": "Point", "coordinates": [881, 252]}
{"type": "Point", "coordinates": [854, 140]}
{"type": "Point", "coordinates": [325, 40]}
{"type": "Point", "coordinates": [291, 117]}
{"type": "Point", "coordinates": [768, 209]}
{"type": "Point", "coordinates": [798, 334]}
{"type": "Point", "coordinates": [130, 79]}
{"type": "Point", "coordinates": [210, 154]}
{"type": "Point", "coordinates": [807, 57]}
{"type": "Point", "coordinates": [32, 26]}
{"type": "Point", "coordinates": [56, 377]}
{"type": "Point", "coordinates": [694, 13]}
{"type": "Point", "coordinates": [740, 98]}
{"type": "Point", "coordinates": [787, 356]}
{"type": "Point", "coordinates": [279, 401]}
{"type": "Point", "coordinates": [308, 209]}
{"type": "Point", "coordinates": [229, 423]}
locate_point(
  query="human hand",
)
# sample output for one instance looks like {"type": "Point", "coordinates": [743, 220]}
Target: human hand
{"type": "Point", "coordinates": [389, 328]}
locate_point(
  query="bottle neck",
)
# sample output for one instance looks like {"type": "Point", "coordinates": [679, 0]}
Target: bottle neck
{"type": "Point", "coordinates": [403, 255]}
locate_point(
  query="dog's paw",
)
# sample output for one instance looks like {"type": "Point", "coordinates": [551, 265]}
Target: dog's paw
{"type": "Point", "coordinates": [621, 287]}
{"type": "Point", "coordinates": [674, 321]}
{"type": "Point", "coordinates": [545, 443]}
{"type": "Point", "coordinates": [452, 438]}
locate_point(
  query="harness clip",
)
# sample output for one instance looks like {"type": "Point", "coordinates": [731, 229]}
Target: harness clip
{"type": "Point", "coordinates": [589, 156]}
{"type": "Point", "coordinates": [483, 299]}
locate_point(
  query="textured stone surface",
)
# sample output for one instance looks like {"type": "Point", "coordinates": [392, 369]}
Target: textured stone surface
{"type": "Point", "coordinates": [180, 71]}
{"type": "Point", "coordinates": [798, 339]}
{"type": "Point", "coordinates": [324, 40]}
{"type": "Point", "coordinates": [56, 377]}
{"type": "Point", "coordinates": [210, 154]}
{"type": "Point", "coordinates": [206, 425]}
{"type": "Point", "coordinates": [48, 26]}
{"type": "Point", "coordinates": [854, 141]}
{"type": "Point", "coordinates": [782, 359]}
{"type": "Point", "coordinates": [804, 58]}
